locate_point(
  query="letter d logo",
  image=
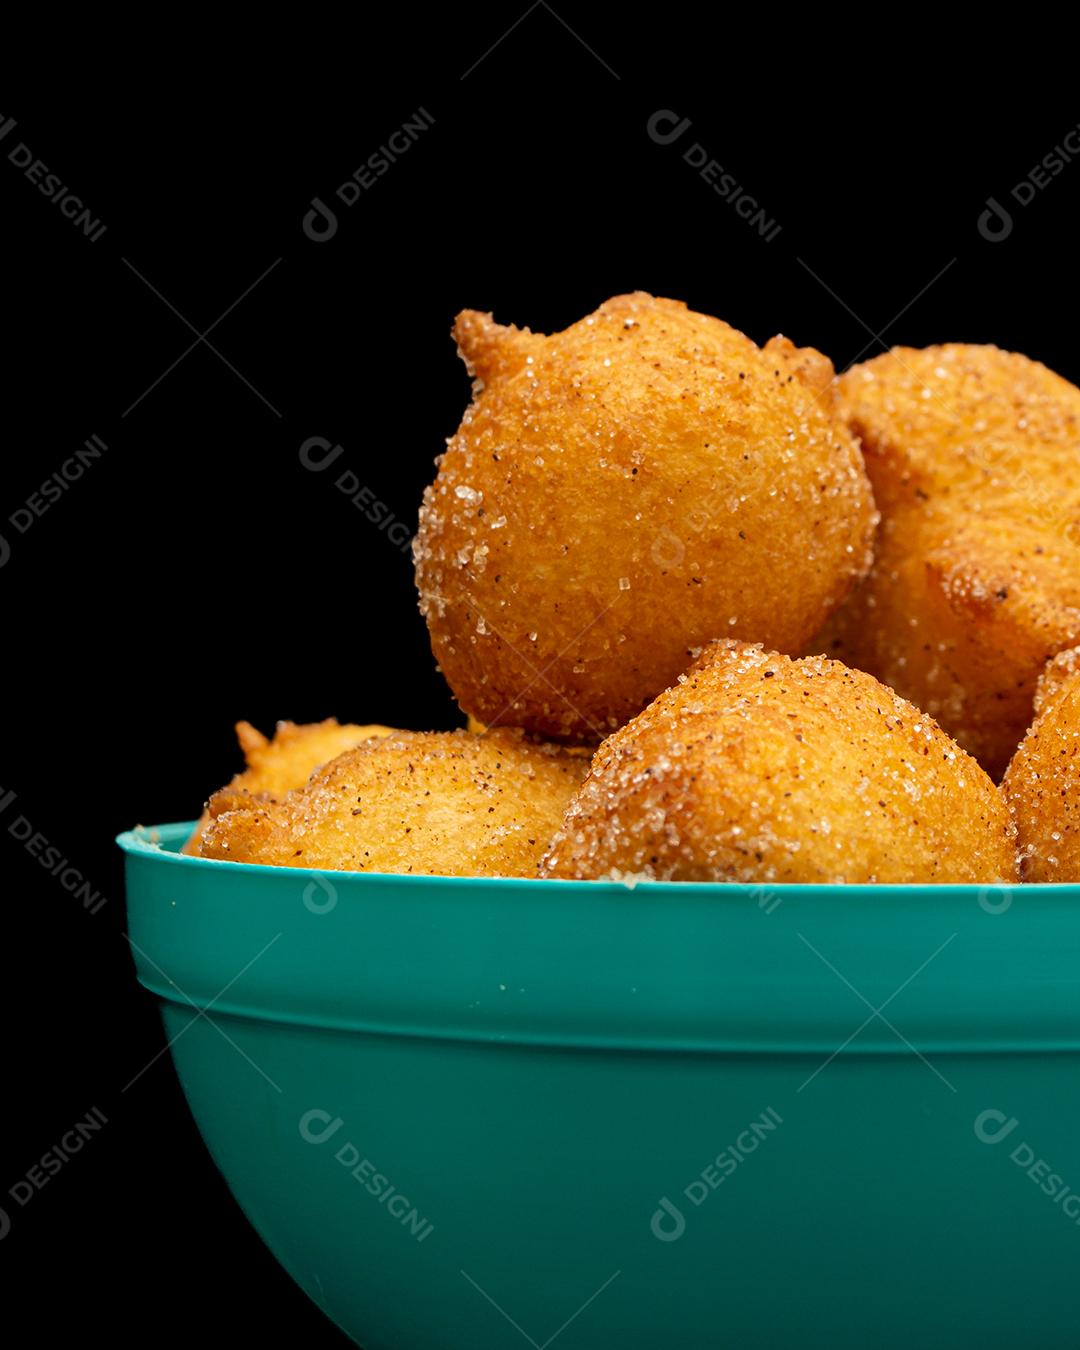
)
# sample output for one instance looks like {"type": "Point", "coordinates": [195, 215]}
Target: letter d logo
{"type": "Point", "coordinates": [318, 1126]}
{"type": "Point", "coordinates": [320, 223]}
{"type": "Point", "coordinates": [991, 1126]}
{"type": "Point", "coordinates": [658, 1225]}
{"type": "Point", "coordinates": [316, 903]}
{"type": "Point", "coordinates": [326, 455]}
{"type": "Point", "coordinates": [995, 223]}
{"type": "Point", "coordinates": [666, 126]}
{"type": "Point", "coordinates": [667, 550]}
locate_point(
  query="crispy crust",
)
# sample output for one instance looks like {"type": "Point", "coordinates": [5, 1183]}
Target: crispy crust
{"type": "Point", "coordinates": [436, 803]}
{"type": "Point", "coordinates": [621, 492]}
{"type": "Point", "coordinates": [276, 766]}
{"type": "Point", "coordinates": [974, 454]}
{"type": "Point", "coordinates": [1042, 782]}
{"type": "Point", "coordinates": [758, 768]}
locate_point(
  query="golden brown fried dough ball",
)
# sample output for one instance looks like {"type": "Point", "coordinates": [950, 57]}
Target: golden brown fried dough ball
{"type": "Point", "coordinates": [436, 803]}
{"type": "Point", "coordinates": [276, 766]}
{"type": "Point", "coordinates": [622, 492]}
{"type": "Point", "coordinates": [1042, 782]}
{"type": "Point", "coordinates": [758, 768]}
{"type": "Point", "coordinates": [974, 454]}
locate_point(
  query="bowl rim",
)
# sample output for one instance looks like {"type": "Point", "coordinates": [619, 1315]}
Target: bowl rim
{"type": "Point", "coordinates": [645, 966]}
{"type": "Point", "coordinates": [164, 842]}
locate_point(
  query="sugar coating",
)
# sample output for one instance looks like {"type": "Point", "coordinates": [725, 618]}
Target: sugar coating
{"type": "Point", "coordinates": [274, 766]}
{"type": "Point", "coordinates": [619, 492]}
{"type": "Point", "coordinates": [974, 454]}
{"type": "Point", "coordinates": [433, 803]}
{"type": "Point", "coordinates": [1042, 782]}
{"type": "Point", "coordinates": [758, 768]}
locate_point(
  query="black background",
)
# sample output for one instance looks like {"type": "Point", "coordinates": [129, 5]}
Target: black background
{"type": "Point", "coordinates": [199, 573]}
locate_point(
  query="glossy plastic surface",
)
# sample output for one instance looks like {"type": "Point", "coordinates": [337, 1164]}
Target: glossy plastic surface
{"type": "Point", "coordinates": [480, 1113]}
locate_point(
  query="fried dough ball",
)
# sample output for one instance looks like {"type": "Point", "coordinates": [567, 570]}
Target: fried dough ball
{"type": "Point", "coordinates": [1042, 782]}
{"type": "Point", "coordinates": [436, 803]}
{"type": "Point", "coordinates": [286, 762]}
{"type": "Point", "coordinates": [758, 768]}
{"type": "Point", "coordinates": [974, 454]}
{"type": "Point", "coordinates": [621, 492]}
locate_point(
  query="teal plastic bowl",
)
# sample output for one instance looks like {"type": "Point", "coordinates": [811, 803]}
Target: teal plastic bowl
{"type": "Point", "coordinates": [483, 1113]}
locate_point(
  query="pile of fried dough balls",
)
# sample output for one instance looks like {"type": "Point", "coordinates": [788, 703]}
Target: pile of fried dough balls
{"type": "Point", "coordinates": [717, 614]}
